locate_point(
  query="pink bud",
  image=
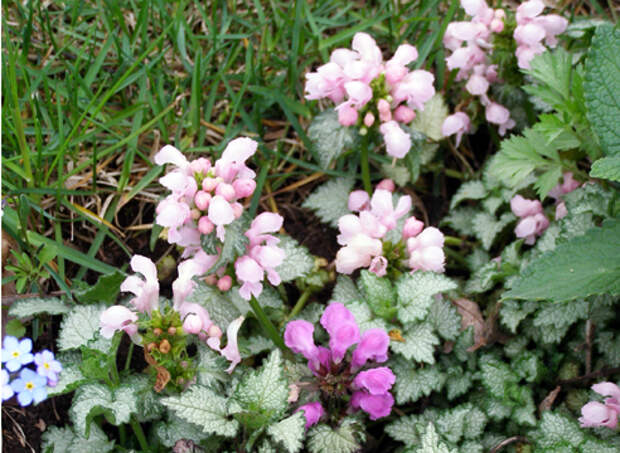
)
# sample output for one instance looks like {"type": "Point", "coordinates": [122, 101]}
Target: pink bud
{"type": "Point", "coordinates": [237, 209]}
{"type": "Point", "coordinates": [347, 115]}
{"type": "Point", "coordinates": [224, 283]}
{"type": "Point", "coordinates": [497, 25]}
{"type": "Point", "coordinates": [386, 184]}
{"type": "Point", "coordinates": [560, 211]}
{"type": "Point", "coordinates": [202, 199]}
{"type": "Point", "coordinates": [313, 412]}
{"type": "Point", "coordinates": [210, 280]}
{"type": "Point", "coordinates": [412, 227]}
{"type": "Point", "coordinates": [369, 119]}
{"type": "Point", "coordinates": [385, 112]}
{"type": "Point", "coordinates": [404, 114]}
{"type": "Point", "coordinates": [225, 190]}
{"type": "Point", "coordinates": [244, 187]}
{"type": "Point", "coordinates": [214, 331]}
{"type": "Point", "coordinates": [208, 184]}
{"type": "Point", "coordinates": [358, 200]}
{"type": "Point", "coordinates": [195, 214]}
{"type": "Point", "coordinates": [205, 226]}
{"type": "Point", "coordinates": [192, 323]}
{"type": "Point", "coordinates": [200, 165]}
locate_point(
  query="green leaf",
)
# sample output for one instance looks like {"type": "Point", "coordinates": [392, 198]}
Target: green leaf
{"type": "Point", "coordinates": [553, 70]}
{"type": "Point", "coordinates": [380, 294]}
{"type": "Point", "coordinates": [106, 289]}
{"type": "Point", "coordinates": [204, 408]}
{"type": "Point", "coordinates": [221, 309]}
{"type": "Point", "coordinates": [298, 262]}
{"type": "Point", "coordinates": [79, 326]}
{"type": "Point", "coordinates": [429, 120]}
{"type": "Point", "coordinates": [430, 442]}
{"type": "Point", "coordinates": [584, 266]}
{"type": "Point", "coordinates": [486, 227]}
{"type": "Point", "coordinates": [177, 428]}
{"type": "Point", "coordinates": [404, 429]}
{"type": "Point", "coordinates": [461, 220]}
{"type": "Point", "coordinates": [458, 382]}
{"type": "Point", "coordinates": [330, 201]}
{"type": "Point", "coordinates": [513, 312]}
{"type": "Point", "coordinates": [415, 293]}
{"type": "Point", "coordinates": [608, 344]}
{"type": "Point", "coordinates": [235, 242]}
{"type": "Point", "coordinates": [412, 383]}
{"type": "Point", "coordinates": [555, 428]}
{"type": "Point", "coordinates": [31, 306]}
{"type": "Point", "coordinates": [419, 343]}
{"type": "Point", "coordinates": [345, 290]}
{"type": "Point", "coordinates": [64, 440]}
{"type": "Point", "coordinates": [445, 319]}
{"type": "Point", "coordinates": [94, 399]}
{"type": "Point", "coordinates": [602, 87]}
{"type": "Point", "coordinates": [15, 328]}
{"type": "Point", "coordinates": [69, 379]}
{"type": "Point", "coordinates": [329, 137]}
{"type": "Point", "coordinates": [471, 190]}
{"type": "Point", "coordinates": [496, 377]}
{"type": "Point", "coordinates": [607, 168]}
{"type": "Point", "coordinates": [289, 432]}
{"type": "Point", "coordinates": [397, 173]}
{"type": "Point", "coordinates": [261, 396]}
{"type": "Point", "coordinates": [346, 438]}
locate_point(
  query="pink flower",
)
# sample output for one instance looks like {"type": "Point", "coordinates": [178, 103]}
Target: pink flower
{"type": "Point", "coordinates": [172, 213]}
{"type": "Point", "coordinates": [358, 253]}
{"type": "Point", "coordinates": [147, 290]}
{"type": "Point", "coordinates": [498, 114]}
{"type": "Point", "coordinates": [196, 317]}
{"type": "Point", "coordinates": [327, 82]}
{"type": "Point", "coordinates": [386, 184]}
{"type": "Point", "coordinates": [404, 114]}
{"type": "Point", "coordinates": [372, 346]}
{"type": "Point", "coordinates": [560, 210]}
{"type": "Point", "coordinates": [457, 123]}
{"type": "Point", "coordinates": [358, 200]}
{"type": "Point", "coordinates": [298, 337]}
{"type": "Point", "coordinates": [377, 406]}
{"type": "Point", "coordinates": [231, 350]}
{"type": "Point", "coordinates": [116, 318]}
{"type": "Point", "coordinates": [397, 141]}
{"type": "Point", "coordinates": [378, 266]}
{"type": "Point", "coordinates": [416, 88]}
{"type": "Point", "coordinates": [384, 109]}
{"type": "Point", "coordinates": [369, 119]}
{"type": "Point", "coordinates": [313, 412]}
{"type": "Point", "coordinates": [377, 381]}
{"type": "Point", "coordinates": [522, 207]}
{"type": "Point", "coordinates": [477, 85]}
{"type": "Point", "coordinates": [412, 227]}
{"type": "Point", "coordinates": [347, 115]}
{"type": "Point", "coordinates": [533, 222]}
{"type": "Point", "coordinates": [359, 94]}
{"type": "Point", "coordinates": [251, 274]}
{"type": "Point", "coordinates": [265, 222]}
{"type": "Point", "coordinates": [381, 206]}
{"type": "Point", "coordinates": [183, 286]}
{"type": "Point", "coordinates": [192, 323]}
{"type": "Point", "coordinates": [333, 316]}
{"type": "Point", "coordinates": [342, 328]}
{"type": "Point", "coordinates": [220, 214]}
{"type": "Point", "coordinates": [170, 155]}
{"type": "Point", "coordinates": [426, 250]}
{"type": "Point", "coordinates": [567, 185]}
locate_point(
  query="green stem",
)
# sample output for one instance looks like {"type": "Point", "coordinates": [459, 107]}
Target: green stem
{"type": "Point", "coordinates": [301, 302]}
{"type": "Point", "coordinates": [365, 165]}
{"type": "Point", "coordinates": [137, 429]}
{"type": "Point", "coordinates": [451, 240]}
{"type": "Point", "coordinates": [129, 354]}
{"type": "Point", "coordinates": [266, 324]}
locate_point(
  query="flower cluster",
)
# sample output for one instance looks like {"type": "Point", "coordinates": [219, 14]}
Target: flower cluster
{"type": "Point", "coordinates": [472, 61]}
{"type": "Point", "coordinates": [29, 386]}
{"type": "Point", "coordinates": [533, 220]}
{"type": "Point", "coordinates": [361, 235]}
{"type": "Point", "coordinates": [532, 29]}
{"type": "Point", "coordinates": [367, 89]}
{"type": "Point", "coordinates": [339, 376]}
{"type": "Point", "coordinates": [595, 414]}
{"type": "Point", "coordinates": [193, 317]}
{"type": "Point", "coordinates": [204, 197]}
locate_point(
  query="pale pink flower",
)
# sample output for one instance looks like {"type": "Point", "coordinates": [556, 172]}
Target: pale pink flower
{"type": "Point", "coordinates": [498, 114]}
{"type": "Point", "coordinates": [231, 350]}
{"type": "Point", "coordinates": [147, 290]}
{"type": "Point", "coordinates": [397, 141]}
{"type": "Point", "coordinates": [250, 273]}
{"type": "Point", "coordinates": [522, 207]}
{"type": "Point", "coordinates": [412, 227]}
{"type": "Point", "coordinates": [457, 123]}
{"type": "Point", "coordinates": [183, 286]}
{"type": "Point", "coordinates": [378, 266]}
{"type": "Point", "coordinates": [358, 253]}
{"type": "Point", "coordinates": [170, 155]}
{"type": "Point", "coordinates": [172, 213]}
{"type": "Point", "coordinates": [477, 85]}
{"type": "Point", "coordinates": [416, 88]}
{"type": "Point", "coordinates": [347, 115]}
{"type": "Point", "coordinates": [358, 200]}
{"type": "Point", "coordinates": [426, 251]}
{"type": "Point", "coordinates": [327, 82]}
{"type": "Point", "coordinates": [386, 184]}
{"type": "Point", "coordinates": [116, 318]}
{"type": "Point", "coordinates": [382, 207]}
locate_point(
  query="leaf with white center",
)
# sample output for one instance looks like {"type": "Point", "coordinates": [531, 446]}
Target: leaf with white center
{"type": "Point", "coordinates": [512, 312]}
{"type": "Point", "coordinates": [429, 120]}
{"type": "Point", "coordinates": [415, 293]}
{"type": "Point", "coordinates": [461, 220]}
{"type": "Point", "coordinates": [68, 380]}
{"type": "Point", "coordinates": [412, 383]}
{"type": "Point", "coordinates": [346, 438]}
{"type": "Point", "coordinates": [496, 376]}
{"type": "Point", "coordinates": [471, 190]}
{"type": "Point", "coordinates": [79, 326]}
{"type": "Point", "coordinates": [486, 227]}
{"type": "Point", "coordinates": [329, 137]}
{"type": "Point", "coordinates": [451, 423]}
{"type": "Point", "coordinates": [221, 310]}
{"type": "Point", "coordinates": [176, 428]}
{"type": "Point", "coordinates": [94, 399]}
{"type": "Point", "coordinates": [31, 306]}
{"type": "Point", "coordinates": [397, 173]}
{"type": "Point", "coordinates": [345, 290]}
{"type": "Point", "coordinates": [555, 428]}
{"type": "Point", "coordinates": [289, 432]}
{"type": "Point", "coordinates": [64, 440]}
{"type": "Point", "coordinates": [57, 440]}
{"type": "Point", "coordinates": [458, 382]}
{"type": "Point", "coordinates": [419, 343]}
{"type": "Point", "coordinates": [298, 262]}
{"type": "Point", "coordinates": [202, 407]}
{"type": "Point", "coordinates": [262, 394]}
{"type": "Point", "coordinates": [445, 319]}
{"type": "Point", "coordinates": [475, 423]}
{"type": "Point", "coordinates": [430, 442]}
{"type": "Point", "coordinates": [404, 429]}
{"type": "Point", "coordinates": [330, 201]}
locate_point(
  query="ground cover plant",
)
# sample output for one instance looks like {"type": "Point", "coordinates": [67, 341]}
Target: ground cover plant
{"type": "Point", "coordinates": [310, 226]}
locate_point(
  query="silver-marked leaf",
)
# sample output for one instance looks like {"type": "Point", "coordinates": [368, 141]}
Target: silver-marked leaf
{"type": "Point", "coordinates": [415, 293]}
{"type": "Point", "coordinates": [330, 201]}
{"type": "Point", "coordinates": [346, 438]}
{"type": "Point", "coordinates": [79, 326]}
{"type": "Point", "coordinates": [289, 432]}
{"type": "Point", "coordinates": [298, 262]}
{"type": "Point", "coordinates": [419, 343]}
{"type": "Point", "coordinates": [329, 137]}
{"type": "Point", "coordinates": [30, 306]}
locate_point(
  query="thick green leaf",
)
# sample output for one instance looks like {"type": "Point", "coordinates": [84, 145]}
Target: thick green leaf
{"type": "Point", "coordinates": [79, 326]}
{"type": "Point", "coordinates": [105, 290]}
{"type": "Point", "coordinates": [429, 120]}
{"type": "Point", "coordinates": [380, 294]}
{"type": "Point", "coordinates": [602, 87]}
{"type": "Point", "coordinates": [419, 343]}
{"type": "Point", "coordinates": [289, 432]}
{"type": "Point", "coordinates": [584, 266]}
{"type": "Point", "coordinates": [606, 168]}
{"type": "Point", "coordinates": [30, 306]}
{"type": "Point", "coordinates": [329, 137]}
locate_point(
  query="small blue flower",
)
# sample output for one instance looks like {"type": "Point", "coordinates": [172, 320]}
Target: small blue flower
{"type": "Point", "coordinates": [16, 353]}
{"type": "Point", "coordinates": [47, 366]}
{"type": "Point", "coordinates": [7, 391]}
{"type": "Point", "coordinates": [29, 387]}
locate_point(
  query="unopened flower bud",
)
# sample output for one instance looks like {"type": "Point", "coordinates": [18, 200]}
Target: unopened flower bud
{"type": "Point", "coordinates": [210, 279]}
{"type": "Point", "coordinates": [200, 165]}
{"type": "Point", "coordinates": [214, 331]}
{"type": "Point", "coordinates": [151, 346]}
{"type": "Point", "coordinates": [195, 214]}
{"type": "Point", "coordinates": [404, 114]}
{"type": "Point", "coordinates": [208, 184]}
{"type": "Point", "coordinates": [412, 227]}
{"type": "Point", "coordinates": [224, 283]}
{"type": "Point", "coordinates": [157, 331]}
{"type": "Point", "coordinates": [205, 226]}
{"type": "Point", "coordinates": [225, 190]}
{"type": "Point", "coordinates": [347, 115]}
{"type": "Point", "coordinates": [385, 112]}
{"type": "Point", "coordinates": [164, 346]}
{"type": "Point", "coordinates": [244, 187]}
{"type": "Point", "coordinates": [386, 184]}
{"type": "Point", "coordinates": [172, 330]}
{"type": "Point", "coordinates": [369, 119]}
{"type": "Point", "coordinates": [192, 323]}
{"type": "Point", "coordinates": [202, 199]}
{"type": "Point", "coordinates": [237, 209]}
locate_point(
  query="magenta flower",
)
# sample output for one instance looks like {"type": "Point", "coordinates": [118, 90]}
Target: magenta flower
{"type": "Point", "coordinates": [335, 370]}
{"type": "Point", "coordinates": [313, 412]}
